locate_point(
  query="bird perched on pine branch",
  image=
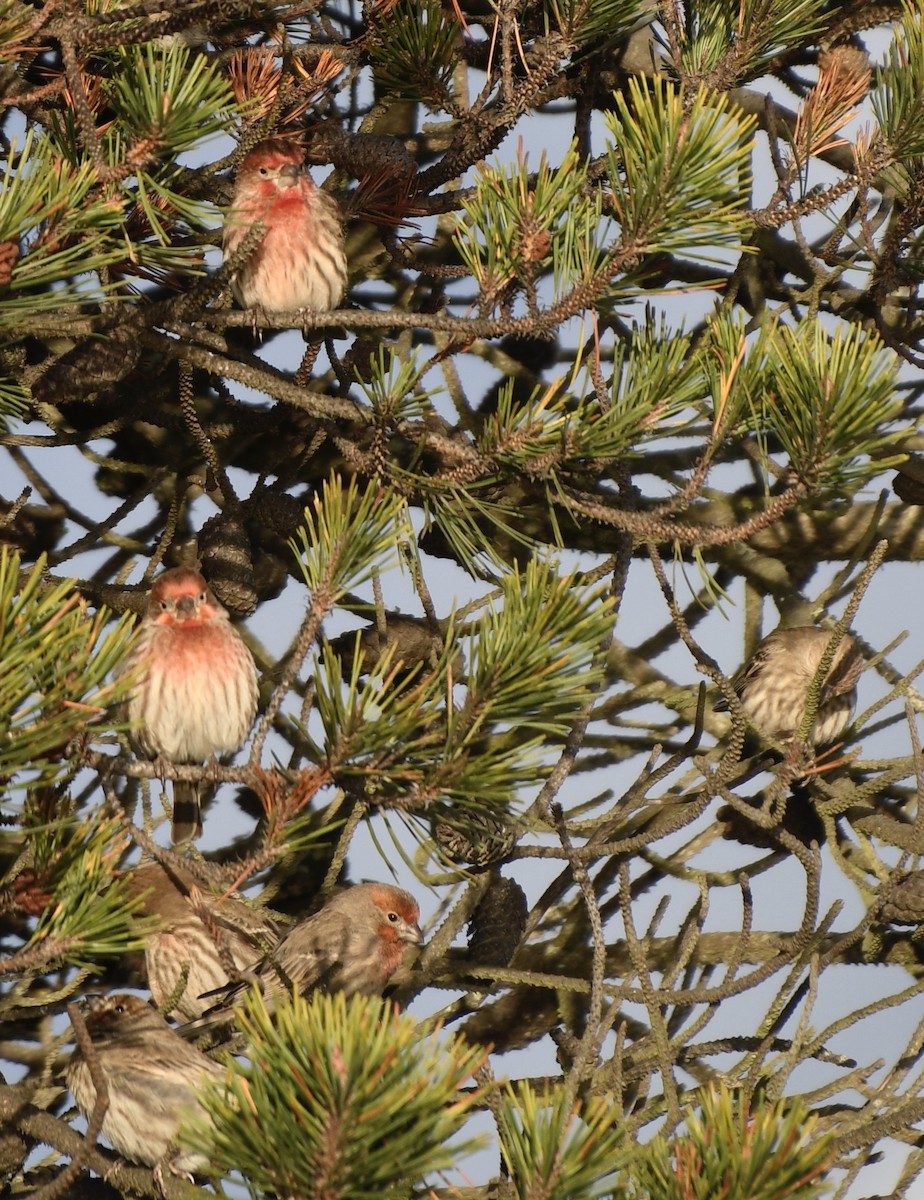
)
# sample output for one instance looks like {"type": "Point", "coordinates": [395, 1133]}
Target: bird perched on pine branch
{"type": "Point", "coordinates": [354, 944]}
{"type": "Point", "coordinates": [196, 694]}
{"type": "Point", "coordinates": [151, 1074]}
{"type": "Point", "coordinates": [773, 687]}
{"type": "Point", "coordinates": [202, 945]}
{"type": "Point", "coordinates": [300, 262]}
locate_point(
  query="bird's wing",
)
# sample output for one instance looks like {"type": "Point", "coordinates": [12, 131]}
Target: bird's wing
{"type": "Point", "coordinates": [312, 951]}
{"type": "Point", "coordinates": [746, 673]}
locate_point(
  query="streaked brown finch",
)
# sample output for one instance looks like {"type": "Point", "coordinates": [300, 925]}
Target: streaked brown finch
{"type": "Point", "coordinates": [203, 939]}
{"type": "Point", "coordinates": [151, 1076]}
{"type": "Point", "coordinates": [774, 685]}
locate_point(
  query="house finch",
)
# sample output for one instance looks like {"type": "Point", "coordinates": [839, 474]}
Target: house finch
{"type": "Point", "coordinates": [197, 696]}
{"type": "Point", "coordinates": [774, 685]}
{"type": "Point", "coordinates": [300, 261]}
{"type": "Point", "coordinates": [151, 1076]}
{"type": "Point", "coordinates": [199, 935]}
{"type": "Point", "coordinates": [353, 945]}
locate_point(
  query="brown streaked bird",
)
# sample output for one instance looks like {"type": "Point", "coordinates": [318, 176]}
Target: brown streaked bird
{"type": "Point", "coordinates": [198, 935]}
{"type": "Point", "coordinates": [774, 685]}
{"type": "Point", "coordinates": [354, 945]}
{"type": "Point", "coordinates": [151, 1073]}
{"type": "Point", "coordinates": [197, 691]}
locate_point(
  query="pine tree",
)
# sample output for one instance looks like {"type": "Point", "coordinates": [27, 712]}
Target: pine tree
{"type": "Point", "coordinates": [682, 333]}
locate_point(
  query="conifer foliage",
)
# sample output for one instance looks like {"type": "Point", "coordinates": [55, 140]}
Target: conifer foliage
{"type": "Point", "coordinates": [629, 343]}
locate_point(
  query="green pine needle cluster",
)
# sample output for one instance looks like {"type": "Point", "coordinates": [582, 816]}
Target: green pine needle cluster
{"type": "Point", "coordinates": [414, 53]}
{"type": "Point", "coordinates": [731, 1150]}
{"type": "Point", "coordinates": [657, 385]}
{"type": "Point", "coordinates": [89, 915]}
{"type": "Point", "coordinates": [392, 386]}
{"type": "Point", "coordinates": [173, 99]}
{"type": "Point", "coordinates": [679, 170]}
{"type": "Point", "coordinates": [560, 1150]}
{"type": "Point", "coordinates": [73, 226]}
{"type": "Point", "coordinates": [366, 723]}
{"type": "Point", "coordinates": [67, 228]}
{"type": "Point", "coordinates": [599, 22]}
{"type": "Point", "coordinates": [749, 34]}
{"type": "Point", "coordinates": [348, 536]}
{"type": "Point", "coordinates": [811, 405]}
{"type": "Point", "coordinates": [557, 1149]}
{"type": "Point", "coordinates": [898, 98]}
{"type": "Point", "coordinates": [53, 688]}
{"type": "Point", "coordinates": [518, 224]}
{"type": "Point", "coordinates": [532, 657]}
{"type": "Point", "coordinates": [562, 428]}
{"type": "Point", "coordinates": [532, 665]}
{"type": "Point", "coordinates": [363, 1106]}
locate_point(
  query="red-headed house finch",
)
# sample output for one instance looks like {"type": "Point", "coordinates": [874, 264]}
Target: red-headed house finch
{"type": "Point", "coordinates": [198, 935]}
{"type": "Point", "coordinates": [353, 945]}
{"type": "Point", "coordinates": [300, 262]}
{"type": "Point", "coordinates": [151, 1076]}
{"type": "Point", "coordinates": [197, 692]}
{"type": "Point", "coordinates": [774, 685]}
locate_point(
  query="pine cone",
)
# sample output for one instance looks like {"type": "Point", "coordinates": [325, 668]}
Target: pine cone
{"type": "Point", "coordinates": [497, 924]}
{"type": "Point", "coordinates": [905, 905]}
{"type": "Point", "coordinates": [225, 554]}
{"type": "Point", "coordinates": [481, 842]}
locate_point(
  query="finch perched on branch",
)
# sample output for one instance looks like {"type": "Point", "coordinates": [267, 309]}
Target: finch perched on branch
{"type": "Point", "coordinates": [774, 685]}
{"type": "Point", "coordinates": [197, 690]}
{"type": "Point", "coordinates": [151, 1075]}
{"type": "Point", "coordinates": [300, 262]}
{"type": "Point", "coordinates": [199, 936]}
{"type": "Point", "coordinates": [353, 945]}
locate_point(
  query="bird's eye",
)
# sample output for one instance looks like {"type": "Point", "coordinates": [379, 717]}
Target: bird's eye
{"type": "Point", "coordinates": [264, 171]}
{"type": "Point", "coordinates": [393, 917]}
{"type": "Point", "coordinates": [165, 604]}
{"type": "Point", "coordinates": [202, 597]}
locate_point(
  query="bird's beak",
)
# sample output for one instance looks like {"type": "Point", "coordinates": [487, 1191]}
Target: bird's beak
{"type": "Point", "coordinates": [289, 175]}
{"type": "Point", "coordinates": [187, 607]}
{"type": "Point", "coordinates": [412, 934]}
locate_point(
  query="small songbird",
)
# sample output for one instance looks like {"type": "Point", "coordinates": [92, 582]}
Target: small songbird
{"type": "Point", "coordinates": [774, 685]}
{"type": "Point", "coordinates": [353, 945]}
{"type": "Point", "coordinates": [151, 1075]}
{"type": "Point", "coordinates": [300, 262]}
{"type": "Point", "coordinates": [197, 691]}
{"type": "Point", "coordinates": [199, 935]}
